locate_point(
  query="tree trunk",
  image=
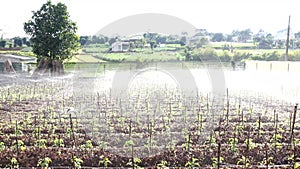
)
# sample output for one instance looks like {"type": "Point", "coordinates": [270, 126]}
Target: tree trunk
{"type": "Point", "coordinates": [49, 67]}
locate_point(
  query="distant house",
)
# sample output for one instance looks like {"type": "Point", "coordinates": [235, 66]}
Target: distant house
{"type": "Point", "coordinates": [120, 47]}
{"type": "Point", "coordinates": [19, 63]}
{"type": "Point", "coordinates": [147, 45]}
{"type": "Point", "coordinates": [161, 45]}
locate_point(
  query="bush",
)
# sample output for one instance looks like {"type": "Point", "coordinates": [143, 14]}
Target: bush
{"type": "Point", "coordinates": [225, 56]}
{"type": "Point", "coordinates": [238, 56]}
{"type": "Point", "coordinates": [274, 56]}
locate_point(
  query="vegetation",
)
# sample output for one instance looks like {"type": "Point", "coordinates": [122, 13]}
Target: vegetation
{"type": "Point", "coordinates": [53, 34]}
{"type": "Point", "coordinates": [49, 124]}
{"type": "Point", "coordinates": [56, 123]}
{"type": "Point", "coordinates": [238, 46]}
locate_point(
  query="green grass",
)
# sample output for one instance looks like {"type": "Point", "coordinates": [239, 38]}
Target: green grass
{"type": "Point", "coordinates": [173, 45]}
{"type": "Point", "coordinates": [168, 52]}
{"type": "Point", "coordinates": [17, 52]}
{"type": "Point", "coordinates": [116, 56]}
{"type": "Point", "coordinates": [234, 44]}
{"type": "Point", "coordinates": [97, 53]}
{"type": "Point", "coordinates": [96, 46]}
{"type": "Point", "coordinates": [166, 49]}
{"type": "Point", "coordinates": [95, 50]}
{"type": "Point", "coordinates": [261, 50]}
{"type": "Point", "coordinates": [143, 56]}
{"type": "Point", "coordinates": [84, 58]}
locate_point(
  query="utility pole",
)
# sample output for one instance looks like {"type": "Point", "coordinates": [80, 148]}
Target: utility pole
{"type": "Point", "coordinates": [287, 41]}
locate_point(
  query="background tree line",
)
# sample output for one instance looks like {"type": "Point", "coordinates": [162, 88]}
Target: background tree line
{"type": "Point", "coordinates": [15, 42]}
{"type": "Point", "coordinates": [154, 38]}
{"type": "Point", "coordinates": [261, 39]}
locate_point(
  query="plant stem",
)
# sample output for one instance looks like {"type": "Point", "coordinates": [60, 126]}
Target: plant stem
{"type": "Point", "coordinates": [293, 124]}
{"type": "Point", "coordinates": [267, 156]}
{"type": "Point", "coordinates": [227, 110]}
{"type": "Point", "coordinates": [72, 131]}
{"type": "Point", "coordinates": [219, 154]}
{"type": "Point", "coordinates": [16, 133]}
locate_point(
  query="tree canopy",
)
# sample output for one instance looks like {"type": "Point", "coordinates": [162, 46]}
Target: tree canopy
{"type": "Point", "coordinates": [53, 33]}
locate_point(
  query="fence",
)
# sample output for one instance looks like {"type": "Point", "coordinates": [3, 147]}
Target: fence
{"type": "Point", "coordinates": [281, 66]}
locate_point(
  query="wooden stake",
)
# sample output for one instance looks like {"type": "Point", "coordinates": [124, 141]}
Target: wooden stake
{"type": "Point", "coordinates": [293, 124]}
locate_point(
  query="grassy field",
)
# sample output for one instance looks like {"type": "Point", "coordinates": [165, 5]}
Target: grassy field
{"type": "Point", "coordinates": [234, 44]}
{"type": "Point", "coordinates": [95, 48]}
{"type": "Point", "coordinates": [173, 52]}
{"type": "Point", "coordinates": [23, 52]}
{"type": "Point", "coordinates": [98, 53]}
{"type": "Point", "coordinates": [85, 58]}
{"type": "Point", "coordinates": [144, 56]}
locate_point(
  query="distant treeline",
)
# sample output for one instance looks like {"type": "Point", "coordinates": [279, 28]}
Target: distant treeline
{"type": "Point", "coordinates": [151, 38]}
{"type": "Point", "coordinates": [210, 54]}
{"type": "Point", "coordinates": [260, 40]}
{"type": "Point", "coordinates": [14, 42]}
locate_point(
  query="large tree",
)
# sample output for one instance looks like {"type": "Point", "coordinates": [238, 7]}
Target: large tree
{"type": "Point", "coordinates": [218, 37]}
{"type": "Point", "coordinates": [53, 36]}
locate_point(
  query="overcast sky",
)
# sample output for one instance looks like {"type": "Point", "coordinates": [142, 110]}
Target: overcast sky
{"type": "Point", "coordinates": [213, 15]}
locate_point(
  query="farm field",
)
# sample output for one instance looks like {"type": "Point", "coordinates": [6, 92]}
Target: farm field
{"type": "Point", "coordinates": [234, 45]}
{"type": "Point", "coordinates": [97, 53]}
{"type": "Point", "coordinates": [82, 122]}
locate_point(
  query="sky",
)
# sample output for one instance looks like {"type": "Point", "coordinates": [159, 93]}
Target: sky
{"type": "Point", "coordinates": [214, 15]}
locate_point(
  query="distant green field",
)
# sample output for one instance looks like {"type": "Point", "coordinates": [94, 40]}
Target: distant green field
{"type": "Point", "coordinates": [116, 56]}
{"type": "Point", "coordinates": [95, 48]}
{"type": "Point", "coordinates": [84, 58]}
{"type": "Point", "coordinates": [143, 56]}
{"type": "Point", "coordinates": [170, 52]}
{"type": "Point", "coordinates": [234, 44]}
{"type": "Point", "coordinates": [262, 50]}
{"type": "Point", "coordinates": [155, 56]}
{"type": "Point", "coordinates": [17, 52]}
{"type": "Point", "coordinates": [257, 51]}
{"type": "Point", "coordinates": [99, 53]}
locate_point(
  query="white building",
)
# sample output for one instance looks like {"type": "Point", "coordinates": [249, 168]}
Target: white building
{"type": "Point", "coordinates": [120, 47]}
{"type": "Point", "coordinates": [20, 63]}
